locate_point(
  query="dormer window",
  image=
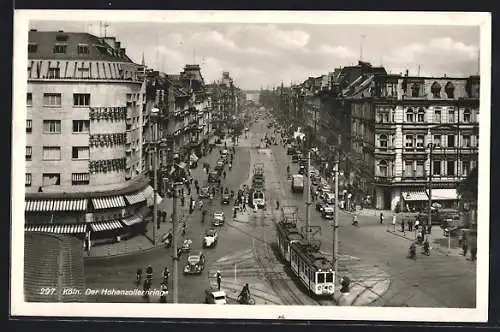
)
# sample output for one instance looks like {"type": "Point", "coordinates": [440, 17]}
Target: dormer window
{"type": "Point", "coordinates": [32, 47]}
{"type": "Point", "coordinates": [83, 49]}
{"type": "Point", "coordinates": [450, 90]}
{"type": "Point", "coordinates": [436, 90]}
{"type": "Point", "coordinates": [60, 48]}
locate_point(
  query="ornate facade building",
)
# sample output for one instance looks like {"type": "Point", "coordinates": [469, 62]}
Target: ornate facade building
{"type": "Point", "coordinates": [397, 135]}
{"type": "Point", "coordinates": [84, 135]}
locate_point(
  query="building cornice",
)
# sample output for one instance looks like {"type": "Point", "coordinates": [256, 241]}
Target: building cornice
{"type": "Point", "coordinates": [134, 185]}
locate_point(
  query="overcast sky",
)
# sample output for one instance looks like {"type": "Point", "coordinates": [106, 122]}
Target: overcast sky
{"type": "Point", "coordinates": [266, 54]}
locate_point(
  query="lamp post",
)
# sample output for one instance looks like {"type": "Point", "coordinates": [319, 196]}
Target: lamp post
{"type": "Point", "coordinates": [153, 130]}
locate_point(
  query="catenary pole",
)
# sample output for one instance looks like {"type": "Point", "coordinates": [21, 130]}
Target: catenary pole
{"type": "Point", "coordinates": [336, 221]}
{"type": "Point", "coordinates": [175, 268]}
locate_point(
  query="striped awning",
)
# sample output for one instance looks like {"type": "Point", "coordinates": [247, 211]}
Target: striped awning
{"type": "Point", "coordinates": [106, 225]}
{"type": "Point", "coordinates": [132, 220]}
{"type": "Point", "coordinates": [444, 194]}
{"type": "Point", "coordinates": [136, 198]}
{"type": "Point", "coordinates": [108, 202]}
{"type": "Point", "coordinates": [415, 196]}
{"type": "Point", "coordinates": [59, 229]}
{"type": "Point", "coordinates": [56, 205]}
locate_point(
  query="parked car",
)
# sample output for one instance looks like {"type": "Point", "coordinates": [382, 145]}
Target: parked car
{"type": "Point", "coordinates": [211, 238]}
{"type": "Point", "coordinates": [195, 264]}
{"type": "Point", "coordinates": [328, 197]}
{"type": "Point", "coordinates": [320, 205]}
{"type": "Point", "coordinates": [295, 158]}
{"type": "Point", "coordinates": [218, 219]}
{"type": "Point", "coordinates": [213, 176]}
{"type": "Point", "coordinates": [328, 212]}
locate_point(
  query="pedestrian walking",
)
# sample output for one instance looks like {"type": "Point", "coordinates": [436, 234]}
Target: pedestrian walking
{"type": "Point", "coordinates": [381, 217]}
{"type": "Point", "coordinates": [410, 225]}
{"type": "Point", "coordinates": [197, 190]}
{"type": "Point", "coordinates": [219, 279]}
{"type": "Point", "coordinates": [183, 202]}
{"type": "Point", "coordinates": [465, 248]}
{"type": "Point", "coordinates": [394, 223]}
{"type": "Point", "coordinates": [403, 226]}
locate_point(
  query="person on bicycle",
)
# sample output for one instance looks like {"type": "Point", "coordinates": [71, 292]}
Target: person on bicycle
{"type": "Point", "coordinates": [245, 294]}
{"type": "Point", "coordinates": [149, 272]}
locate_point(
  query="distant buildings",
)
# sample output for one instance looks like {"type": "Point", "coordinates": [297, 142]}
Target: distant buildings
{"type": "Point", "coordinates": [397, 134]}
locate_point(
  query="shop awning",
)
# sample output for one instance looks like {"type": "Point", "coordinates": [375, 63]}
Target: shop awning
{"type": "Point", "coordinates": [415, 196]}
{"type": "Point", "coordinates": [132, 220]}
{"type": "Point", "coordinates": [56, 205]}
{"type": "Point", "coordinates": [106, 225]}
{"type": "Point", "coordinates": [444, 194]}
{"type": "Point", "coordinates": [136, 198]}
{"type": "Point", "coordinates": [58, 229]}
{"type": "Point", "coordinates": [150, 201]}
{"type": "Point", "coordinates": [193, 157]}
{"type": "Point", "coordinates": [108, 202]}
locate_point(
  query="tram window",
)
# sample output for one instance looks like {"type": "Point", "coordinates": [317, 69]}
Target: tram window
{"type": "Point", "coordinates": [329, 277]}
{"type": "Point", "coordinates": [321, 278]}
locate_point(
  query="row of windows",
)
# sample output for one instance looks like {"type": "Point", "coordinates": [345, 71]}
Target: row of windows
{"type": "Point", "coordinates": [60, 48]}
{"type": "Point", "coordinates": [418, 141]}
{"type": "Point", "coordinates": [80, 70]}
{"type": "Point", "coordinates": [54, 126]}
{"type": "Point", "coordinates": [54, 99]}
{"type": "Point", "coordinates": [53, 153]}
{"type": "Point", "coordinates": [415, 168]}
{"type": "Point", "coordinates": [54, 179]}
{"type": "Point", "coordinates": [413, 116]}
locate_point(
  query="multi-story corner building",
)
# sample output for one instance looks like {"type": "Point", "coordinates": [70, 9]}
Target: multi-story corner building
{"type": "Point", "coordinates": [225, 101]}
{"type": "Point", "coordinates": [427, 134]}
{"type": "Point", "coordinates": [84, 136]}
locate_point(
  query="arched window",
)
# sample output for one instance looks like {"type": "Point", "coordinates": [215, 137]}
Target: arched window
{"type": "Point", "coordinates": [467, 115]}
{"type": "Point", "coordinates": [450, 90]}
{"type": "Point", "coordinates": [382, 168]}
{"type": "Point", "coordinates": [383, 141]}
{"type": "Point", "coordinates": [421, 115]}
{"type": "Point", "coordinates": [410, 116]}
{"type": "Point", "coordinates": [436, 90]}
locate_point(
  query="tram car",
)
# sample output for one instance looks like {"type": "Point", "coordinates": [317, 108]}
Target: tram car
{"type": "Point", "coordinates": [312, 269]}
{"type": "Point", "coordinates": [307, 263]}
{"type": "Point", "coordinates": [287, 233]}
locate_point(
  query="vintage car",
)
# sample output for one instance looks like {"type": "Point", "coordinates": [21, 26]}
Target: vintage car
{"type": "Point", "coordinates": [315, 180]}
{"type": "Point", "coordinates": [218, 219]}
{"type": "Point", "coordinates": [219, 166]}
{"type": "Point", "coordinates": [214, 296]}
{"type": "Point", "coordinates": [320, 205]}
{"type": "Point", "coordinates": [195, 264]}
{"type": "Point", "coordinates": [328, 212]}
{"type": "Point", "coordinates": [186, 245]}
{"type": "Point", "coordinates": [204, 192]}
{"type": "Point", "coordinates": [226, 198]}
{"type": "Point", "coordinates": [210, 239]}
{"type": "Point", "coordinates": [328, 197]}
{"type": "Point", "coordinates": [213, 176]}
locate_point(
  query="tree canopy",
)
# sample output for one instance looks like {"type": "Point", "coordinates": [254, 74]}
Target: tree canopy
{"type": "Point", "coordinates": [467, 189]}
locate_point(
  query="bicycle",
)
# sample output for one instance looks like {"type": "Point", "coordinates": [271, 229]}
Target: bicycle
{"type": "Point", "coordinates": [250, 300]}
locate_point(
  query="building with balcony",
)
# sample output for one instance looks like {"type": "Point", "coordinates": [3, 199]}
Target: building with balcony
{"type": "Point", "coordinates": [84, 135]}
{"type": "Point", "coordinates": [426, 133]}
